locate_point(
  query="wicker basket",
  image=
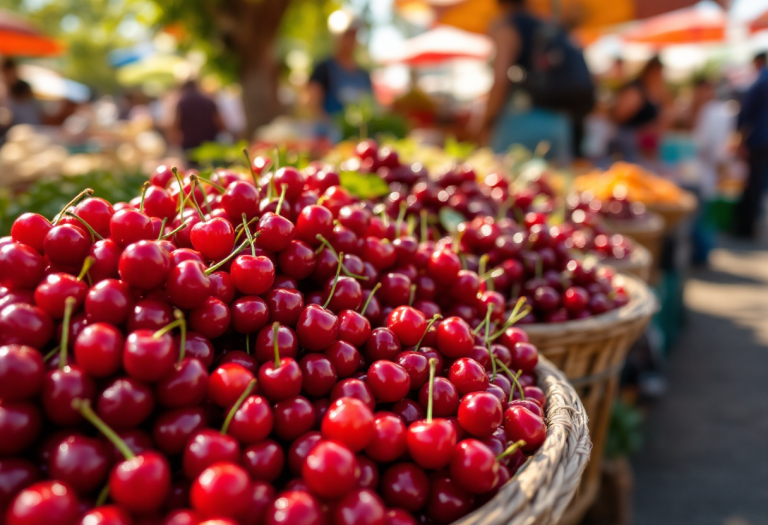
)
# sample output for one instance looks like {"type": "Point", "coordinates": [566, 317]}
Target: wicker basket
{"type": "Point", "coordinates": [639, 263]}
{"type": "Point", "coordinates": [674, 213]}
{"type": "Point", "coordinates": [542, 489]}
{"type": "Point", "coordinates": [591, 353]}
{"type": "Point", "coordinates": [648, 233]}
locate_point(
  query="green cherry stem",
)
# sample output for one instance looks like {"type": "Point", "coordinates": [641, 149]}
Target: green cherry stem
{"type": "Point", "coordinates": [237, 405]}
{"type": "Point", "coordinates": [457, 241]}
{"type": "Point", "coordinates": [412, 295]}
{"type": "Point", "coordinates": [401, 217]}
{"type": "Point", "coordinates": [144, 188]}
{"type": "Point", "coordinates": [182, 195]}
{"type": "Point", "coordinates": [275, 335]}
{"type": "Point", "coordinates": [194, 184]}
{"type": "Point", "coordinates": [170, 326]}
{"type": "Point", "coordinates": [335, 281]}
{"type": "Point", "coordinates": [174, 232]}
{"type": "Point", "coordinates": [69, 305]}
{"type": "Point", "coordinates": [57, 218]}
{"type": "Point", "coordinates": [162, 229]}
{"type": "Point", "coordinates": [228, 258]}
{"type": "Point", "coordinates": [86, 267]}
{"type": "Point", "coordinates": [240, 228]}
{"type": "Point", "coordinates": [513, 378]}
{"type": "Point", "coordinates": [248, 234]}
{"type": "Point", "coordinates": [325, 244]}
{"type": "Point", "coordinates": [209, 182]}
{"type": "Point", "coordinates": [205, 194]}
{"type": "Point", "coordinates": [281, 199]}
{"type": "Point", "coordinates": [513, 317]}
{"type": "Point", "coordinates": [103, 495]}
{"type": "Point", "coordinates": [432, 321]}
{"type": "Point", "coordinates": [370, 296]}
{"type": "Point", "coordinates": [430, 401]}
{"type": "Point", "coordinates": [52, 353]}
{"type": "Point", "coordinates": [250, 167]}
{"type": "Point", "coordinates": [482, 264]}
{"type": "Point", "coordinates": [84, 407]}
{"type": "Point", "coordinates": [488, 342]}
{"type": "Point", "coordinates": [91, 231]}
{"type": "Point", "coordinates": [511, 450]}
{"type": "Point", "coordinates": [424, 226]}
{"type": "Point", "coordinates": [183, 329]}
{"type": "Point", "coordinates": [248, 344]}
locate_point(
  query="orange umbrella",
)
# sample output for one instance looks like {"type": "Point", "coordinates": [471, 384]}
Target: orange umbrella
{"type": "Point", "coordinates": [20, 38]}
{"type": "Point", "coordinates": [760, 23]}
{"type": "Point", "coordinates": [692, 25]}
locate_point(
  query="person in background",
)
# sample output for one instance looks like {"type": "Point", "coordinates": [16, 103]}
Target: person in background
{"type": "Point", "coordinates": [753, 125]}
{"type": "Point", "coordinates": [20, 101]}
{"type": "Point", "coordinates": [338, 80]}
{"type": "Point", "coordinates": [197, 118]}
{"type": "Point", "coordinates": [637, 113]}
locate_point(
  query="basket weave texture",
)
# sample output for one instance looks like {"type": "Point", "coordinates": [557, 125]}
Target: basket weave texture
{"type": "Point", "coordinates": [591, 354]}
{"type": "Point", "coordinates": [639, 263]}
{"type": "Point", "coordinates": [648, 233]}
{"type": "Point", "coordinates": [542, 489]}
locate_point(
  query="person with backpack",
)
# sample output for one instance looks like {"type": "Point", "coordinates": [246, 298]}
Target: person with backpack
{"type": "Point", "coordinates": [542, 88]}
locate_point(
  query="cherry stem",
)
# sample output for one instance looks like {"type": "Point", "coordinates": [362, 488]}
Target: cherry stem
{"type": "Point", "coordinates": [503, 209]}
{"type": "Point", "coordinates": [144, 188]}
{"type": "Point", "coordinates": [496, 272]}
{"type": "Point", "coordinates": [250, 167]}
{"type": "Point", "coordinates": [424, 226]}
{"type": "Point", "coordinates": [183, 329]}
{"type": "Point", "coordinates": [69, 305]}
{"type": "Point", "coordinates": [412, 295]}
{"type": "Point", "coordinates": [57, 218]}
{"type": "Point", "coordinates": [248, 234]}
{"type": "Point", "coordinates": [482, 264]}
{"type": "Point", "coordinates": [162, 229]}
{"type": "Point", "coordinates": [335, 281]}
{"type": "Point", "coordinates": [194, 183]}
{"type": "Point", "coordinates": [325, 244]}
{"type": "Point", "coordinates": [84, 407]}
{"type": "Point", "coordinates": [432, 369]}
{"type": "Point", "coordinates": [511, 450]}
{"type": "Point", "coordinates": [457, 241]}
{"type": "Point", "coordinates": [281, 199]}
{"type": "Point", "coordinates": [384, 217]}
{"type": "Point", "coordinates": [370, 296]}
{"type": "Point", "coordinates": [275, 335]}
{"type": "Point", "coordinates": [182, 195]}
{"type": "Point", "coordinates": [239, 228]}
{"type": "Point", "coordinates": [86, 266]}
{"type": "Point", "coordinates": [513, 378]}
{"type": "Point", "coordinates": [103, 495]}
{"type": "Point", "coordinates": [170, 326]}
{"type": "Point", "coordinates": [93, 233]}
{"type": "Point", "coordinates": [205, 195]}
{"type": "Point", "coordinates": [174, 232]}
{"type": "Point", "coordinates": [401, 217]}
{"type": "Point", "coordinates": [228, 258]}
{"type": "Point", "coordinates": [237, 405]}
{"type": "Point", "coordinates": [209, 182]}
{"type": "Point", "coordinates": [52, 353]}
{"type": "Point", "coordinates": [514, 317]}
{"type": "Point", "coordinates": [487, 342]}
{"type": "Point", "coordinates": [429, 325]}
{"type": "Point", "coordinates": [248, 344]}
{"type": "Point", "coordinates": [411, 225]}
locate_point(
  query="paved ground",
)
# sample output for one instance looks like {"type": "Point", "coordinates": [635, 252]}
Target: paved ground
{"type": "Point", "coordinates": [705, 458]}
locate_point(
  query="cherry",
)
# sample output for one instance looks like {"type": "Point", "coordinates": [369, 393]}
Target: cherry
{"type": "Point", "coordinates": [408, 410]}
{"type": "Point", "coordinates": [180, 517]}
{"type": "Point", "coordinates": [330, 470]}
{"type": "Point", "coordinates": [252, 421]}
{"type": "Point", "coordinates": [128, 226]}
{"type": "Point", "coordinates": [405, 485]}
{"type": "Point", "coordinates": [389, 438]}
{"type": "Point", "coordinates": [31, 229]}
{"type": "Point", "coordinates": [408, 324]}
{"type": "Point", "coordinates": [214, 238]}
{"type": "Point", "coordinates": [284, 305]}
{"type": "Point", "coordinates": [300, 449]}
{"type": "Point", "coordinates": [275, 232]}
{"type": "Point", "coordinates": [525, 357]}
{"type": "Point", "coordinates": [360, 507]}
{"type": "Point", "coordinates": [20, 426]}
{"type": "Point", "coordinates": [22, 371]}
{"type": "Point", "coordinates": [295, 508]}
{"type": "Point", "coordinates": [318, 375]}
{"type": "Point", "coordinates": [25, 324]}
{"type": "Point", "coordinates": [575, 299]}
{"type": "Point", "coordinates": [282, 378]}
{"type": "Point", "coordinates": [314, 221]}
{"type": "Point", "coordinates": [317, 328]}
{"type": "Point", "coordinates": [81, 462]}
{"type": "Point", "coordinates": [445, 398]}
{"type": "Point", "coordinates": [444, 266]}
{"type": "Point", "coordinates": [532, 406]}
{"type": "Point", "coordinates": [106, 254]}
{"type": "Point", "coordinates": [67, 245]}
{"type": "Point", "coordinates": [448, 501]}
{"type": "Point", "coordinates": [431, 442]}
{"type": "Point", "coordinates": [350, 422]}
{"type": "Point", "coordinates": [205, 448]}
{"type": "Point", "coordinates": [227, 383]}
{"type": "Point", "coordinates": [149, 314]}
{"type": "Point", "coordinates": [241, 197]}
{"type": "Point", "coordinates": [378, 253]}
{"type": "Point", "coordinates": [99, 349]}
{"type": "Point", "coordinates": [149, 356]}
{"type": "Point", "coordinates": [399, 517]}
{"type": "Point", "coordinates": [8, 298]}
{"type": "Point", "coordinates": [222, 287]}
{"type": "Point", "coordinates": [51, 293]}
{"type": "Point", "coordinates": [353, 327]}
{"type": "Point", "coordinates": [106, 515]}
{"type": "Point", "coordinates": [108, 301]}
{"type": "Point", "coordinates": [287, 342]}
{"type": "Point", "coordinates": [49, 502]}
{"type": "Point", "coordinates": [369, 473]}
{"type": "Point", "coordinates": [196, 346]}
{"type": "Point", "coordinates": [252, 274]}
{"type": "Point", "coordinates": [383, 344]}
{"type": "Point", "coordinates": [344, 358]}
{"type": "Point", "coordinates": [186, 385]}
{"type": "Point", "coordinates": [522, 425]}
{"type": "Point", "coordinates": [474, 467]}
{"type": "Point", "coordinates": [173, 428]}
{"type": "Point", "coordinates": [388, 381]}
{"type": "Point", "coordinates": [480, 414]}
{"type": "Point", "coordinates": [264, 461]}
{"type": "Point", "coordinates": [454, 338]}
{"type": "Point", "coordinates": [125, 403]}
{"type": "Point", "coordinates": [356, 388]}
{"type": "Point", "coordinates": [211, 319]}
{"type": "Point", "coordinates": [468, 376]}
{"type": "Point", "coordinates": [535, 394]}
{"type": "Point", "coordinates": [293, 417]}
{"type": "Point", "coordinates": [21, 267]}
{"type": "Point", "coordinates": [343, 294]}
{"type": "Point", "coordinates": [395, 289]}
{"type": "Point", "coordinates": [221, 490]}
{"type": "Point", "coordinates": [187, 285]}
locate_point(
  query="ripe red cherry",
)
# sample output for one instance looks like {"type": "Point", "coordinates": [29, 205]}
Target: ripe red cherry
{"type": "Point", "coordinates": [149, 314]}
{"type": "Point", "coordinates": [275, 232]}
{"type": "Point", "coordinates": [249, 314]}
{"type": "Point", "coordinates": [214, 238]}
{"type": "Point", "coordinates": [395, 289]}
{"type": "Point", "coordinates": [141, 483]}
{"type": "Point", "coordinates": [106, 515]}
{"type": "Point", "coordinates": [525, 357]}
{"type": "Point", "coordinates": [388, 381]}
{"type": "Point", "coordinates": [314, 221]}
{"type": "Point", "coordinates": [285, 305]}
{"type": "Point", "coordinates": [128, 226]}
{"type": "Point", "coordinates": [317, 328]}
{"type": "Point", "coordinates": [344, 357]}
{"type": "Point", "coordinates": [318, 375]}
{"type": "Point", "coordinates": [349, 421]}
{"type": "Point", "coordinates": [297, 260]}
{"type": "Point", "coordinates": [67, 246]}
{"type": "Point", "coordinates": [252, 275]}
{"type": "Point", "coordinates": [521, 424]}
{"type": "Point", "coordinates": [99, 349]}
{"type": "Point", "coordinates": [408, 324]}
{"type": "Point", "coordinates": [221, 490]}
{"type": "Point", "coordinates": [300, 449]}
{"type": "Point", "coordinates": [241, 197]}
{"type": "Point", "coordinates": [108, 301]}
{"type": "Point", "coordinates": [293, 417]}
{"type": "Point", "coordinates": [444, 267]}
{"type": "Point", "coordinates": [399, 517]}
{"type": "Point", "coordinates": [144, 265]}
{"type": "Point", "coordinates": [227, 383]}
{"type": "Point", "coordinates": [81, 462]}
{"type": "Point", "coordinates": [253, 421]}
{"type": "Point", "coordinates": [474, 467]}
{"type": "Point", "coordinates": [405, 485]}
{"type": "Point", "coordinates": [331, 470]}
{"type": "Point", "coordinates": [389, 438]}
{"type": "Point", "coordinates": [186, 385]}
{"type": "Point", "coordinates": [49, 502]}
{"type": "Point", "coordinates": [454, 338]}
{"type": "Point", "coordinates": [21, 267]}
{"type": "Point", "coordinates": [448, 501]}
{"type": "Point", "coordinates": [149, 356]}
{"type": "Point", "coordinates": [22, 371]}
{"type": "Point", "coordinates": [353, 328]}
{"type": "Point", "coordinates": [383, 344]}
{"type": "Point", "coordinates": [417, 366]}
{"type": "Point", "coordinates": [20, 426]}
{"type": "Point", "coordinates": [211, 319]}
{"type": "Point", "coordinates": [106, 254]}
{"type": "Point", "coordinates": [295, 508]}
{"type": "Point", "coordinates": [60, 388]}
{"type": "Point", "coordinates": [205, 448]}
{"type": "Point", "coordinates": [280, 378]}
{"type": "Point", "coordinates": [480, 414]}
{"type": "Point", "coordinates": [264, 461]}
{"type": "Point", "coordinates": [125, 403]}
{"type": "Point", "coordinates": [187, 285]}
{"type": "Point", "coordinates": [25, 324]}
{"type": "Point", "coordinates": [287, 342]}
{"type": "Point", "coordinates": [468, 376]}
{"type": "Point", "coordinates": [445, 397]}
{"type": "Point", "coordinates": [173, 429]}
{"type": "Point", "coordinates": [31, 229]}
{"type": "Point", "coordinates": [360, 507]}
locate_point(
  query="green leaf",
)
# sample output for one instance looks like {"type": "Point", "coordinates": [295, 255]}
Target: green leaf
{"type": "Point", "coordinates": [364, 186]}
{"type": "Point", "coordinates": [458, 150]}
{"type": "Point", "coordinates": [450, 219]}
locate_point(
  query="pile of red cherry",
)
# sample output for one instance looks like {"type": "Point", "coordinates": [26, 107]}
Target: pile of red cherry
{"type": "Point", "coordinates": [261, 350]}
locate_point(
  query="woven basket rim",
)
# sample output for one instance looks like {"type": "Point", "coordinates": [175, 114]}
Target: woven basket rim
{"type": "Point", "coordinates": [544, 486]}
{"type": "Point", "coordinates": [642, 304]}
{"type": "Point", "coordinates": [687, 203]}
{"type": "Point", "coordinates": [639, 258]}
{"type": "Point", "coordinates": [653, 223]}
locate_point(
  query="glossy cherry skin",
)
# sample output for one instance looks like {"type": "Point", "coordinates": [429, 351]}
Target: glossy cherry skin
{"type": "Point", "coordinates": [214, 238]}
{"type": "Point", "coordinates": [141, 484]}
{"type": "Point", "coordinates": [447, 500]}
{"type": "Point", "coordinates": [60, 388]}
{"type": "Point", "coordinates": [444, 267]}
{"type": "Point", "coordinates": [383, 344]}
{"type": "Point", "coordinates": [52, 292]}
{"type": "Point", "coordinates": [454, 338]}
{"type": "Point", "coordinates": [264, 461]}
{"type": "Point", "coordinates": [222, 287]}
{"type": "Point", "coordinates": [529, 404]}
{"type": "Point", "coordinates": [317, 328]}
{"type": "Point", "coordinates": [30, 229]}
{"type": "Point", "coordinates": [314, 221]}
{"type": "Point", "coordinates": [144, 265]}
{"type": "Point", "coordinates": [276, 232]}
{"type": "Point", "coordinates": [106, 515]}
{"type": "Point", "coordinates": [253, 421]}
{"type": "Point", "coordinates": [108, 301]}
{"type": "Point", "coordinates": [431, 444]}
{"type": "Point", "coordinates": [525, 357]}
{"type": "Point", "coordinates": [360, 507]}
{"type": "Point", "coordinates": [318, 375]}
{"type": "Point", "coordinates": [241, 197]}
{"type": "Point", "coordinates": [187, 285]}
{"type": "Point", "coordinates": [221, 490]}
{"type": "Point", "coordinates": [293, 417]}
{"type": "Point", "coordinates": [521, 424]}
{"type": "Point", "coordinates": [99, 349]}
{"type": "Point", "coordinates": [388, 381]}
{"type": "Point", "coordinates": [369, 473]}
{"type": "Point", "coordinates": [25, 324]}
{"type": "Point", "coordinates": [389, 438]}
{"type": "Point", "coordinates": [22, 372]}
{"type": "Point", "coordinates": [252, 275]}
{"type": "Point", "coordinates": [347, 296]}
{"type": "Point", "coordinates": [67, 246]}
{"type": "Point", "coordinates": [227, 383]}
{"type": "Point", "coordinates": [21, 267]}
{"type": "Point", "coordinates": [445, 399]}
{"type": "Point", "coordinates": [408, 324]}
{"type": "Point", "coordinates": [81, 462]}
{"type": "Point", "coordinates": [295, 508]}
{"type": "Point", "coordinates": [149, 358]}
{"type": "Point", "coordinates": [48, 502]}
{"type": "Point", "coordinates": [173, 428]}
{"type": "Point", "coordinates": [468, 376]}
{"type": "Point", "coordinates": [125, 403]}
{"type": "Point", "coordinates": [395, 289]}
{"type": "Point", "coordinates": [405, 485]}
{"type": "Point", "coordinates": [128, 226]}
{"type": "Point", "coordinates": [474, 467]}
{"type": "Point", "coordinates": [249, 314]}
{"type": "Point", "coordinates": [149, 314]}
{"type": "Point", "coordinates": [297, 260]}
{"type": "Point", "coordinates": [344, 357]}
{"type": "Point", "coordinates": [186, 385]}
{"type": "Point", "coordinates": [107, 258]}
{"type": "Point", "coordinates": [354, 328]}
{"type": "Point", "coordinates": [210, 319]}
{"type": "Point", "coordinates": [409, 411]}
{"type": "Point", "coordinates": [380, 254]}
{"type": "Point", "coordinates": [20, 426]}
{"type": "Point", "coordinates": [330, 470]}
{"type": "Point", "coordinates": [278, 382]}
{"type": "Point", "coordinates": [399, 517]}
{"type": "Point", "coordinates": [261, 496]}
{"type": "Point", "coordinates": [300, 449]}
{"type": "Point", "coordinates": [480, 414]}
{"type": "Point", "coordinates": [353, 387]}
{"type": "Point", "coordinates": [207, 447]}
{"type": "Point", "coordinates": [349, 421]}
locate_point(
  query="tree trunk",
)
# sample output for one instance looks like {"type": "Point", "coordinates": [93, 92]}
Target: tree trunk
{"type": "Point", "coordinates": [259, 81]}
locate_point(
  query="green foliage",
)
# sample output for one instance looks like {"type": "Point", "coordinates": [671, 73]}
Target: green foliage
{"type": "Point", "coordinates": [459, 150]}
{"type": "Point", "coordinates": [47, 197]}
{"type": "Point", "coordinates": [625, 432]}
{"type": "Point", "coordinates": [450, 219]}
{"type": "Point", "coordinates": [219, 155]}
{"type": "Point", "coordinates": [364, 186]}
